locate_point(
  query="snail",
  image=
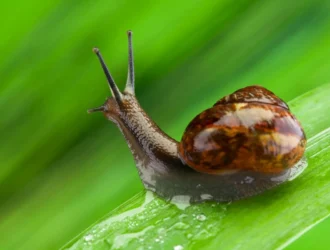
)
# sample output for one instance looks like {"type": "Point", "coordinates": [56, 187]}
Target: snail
{"type": "Point", "coordinates": [246, 143]}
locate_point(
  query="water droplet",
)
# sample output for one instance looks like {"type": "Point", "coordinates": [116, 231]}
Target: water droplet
{"type": "Point", "coordinates": [181, 201]}
{"type": "Point", "coordinates": [178, 247]}
{"type": "Point", "coordinates": [88, 237]}
{"type": "Point", "coordinates": [157, 240]}
{"type": "Point", "coordinates": [161, 232]}
{"type": "Point", "coordinates": [181, 216]}
{"type": "Point", "coordinates": [202, 235]}
{"type": "Point", "coordinates": [206, 197]}
{"type": "Point", "coordinates": [198, 186]}
{"type": "Point", "coordinates": [180, 225]}
{"type": "Point", "coordinates": [141, 217]}
{"type": "Point", "coordinates": [201, 217]}
{"type": "Point", "coordinates": [248, 179]}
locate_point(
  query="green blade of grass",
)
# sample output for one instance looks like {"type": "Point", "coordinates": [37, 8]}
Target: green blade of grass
{"type": "Point", "coordinates": [272, 220]}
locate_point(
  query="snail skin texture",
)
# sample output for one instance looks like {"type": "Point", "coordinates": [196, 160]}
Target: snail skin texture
{"type": "Point", "coordinates": [248, 142]}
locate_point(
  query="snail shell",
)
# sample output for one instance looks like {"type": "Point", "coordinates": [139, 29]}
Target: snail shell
{"type": "Point", "coordinates": [251, 129]}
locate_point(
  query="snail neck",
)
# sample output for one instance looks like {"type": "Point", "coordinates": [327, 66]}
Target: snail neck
{"type": "Point", "coordinates": [150, 146]}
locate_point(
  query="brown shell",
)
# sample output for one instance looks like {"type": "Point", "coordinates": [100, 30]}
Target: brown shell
{"type": "Point", "coordinates": [253, 93]}
{"type": "Point", "coordinates": [249, 129]}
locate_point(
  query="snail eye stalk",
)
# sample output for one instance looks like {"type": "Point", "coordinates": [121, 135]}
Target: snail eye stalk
{"type": "Point", "coordinates": [130, 85]}
{"type": "Point", "coordinates": [113, 87]}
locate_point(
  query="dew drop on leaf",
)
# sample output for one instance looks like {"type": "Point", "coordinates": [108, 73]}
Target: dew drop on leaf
{"type": "Point", "coordinates": [201, 217]}
{"type": "Point", "coordinates": [178, 247]}
{"type": "Point", "coordinates": [88, 237]}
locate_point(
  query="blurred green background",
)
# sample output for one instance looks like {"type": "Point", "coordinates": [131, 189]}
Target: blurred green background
{"type": "Point", "coordinates": [62, 169]}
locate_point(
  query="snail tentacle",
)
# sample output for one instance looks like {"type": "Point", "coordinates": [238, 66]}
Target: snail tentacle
{"type": "Point", "coordinates": [113, 87]}
{"type": "Point", "coordinates": [101, 108]}
{"type": "Point", "coordinates": [130, 84]}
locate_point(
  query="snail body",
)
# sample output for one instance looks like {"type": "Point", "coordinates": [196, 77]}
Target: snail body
{"type": "Point", "coordinates": [248, 142]}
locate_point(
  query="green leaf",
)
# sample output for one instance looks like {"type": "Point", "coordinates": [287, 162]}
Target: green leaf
{"type": "Point", "coordinates": [272, 220]}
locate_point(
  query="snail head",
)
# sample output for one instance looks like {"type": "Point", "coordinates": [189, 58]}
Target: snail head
{"type": "Point", "coordinates": [119, 100]}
